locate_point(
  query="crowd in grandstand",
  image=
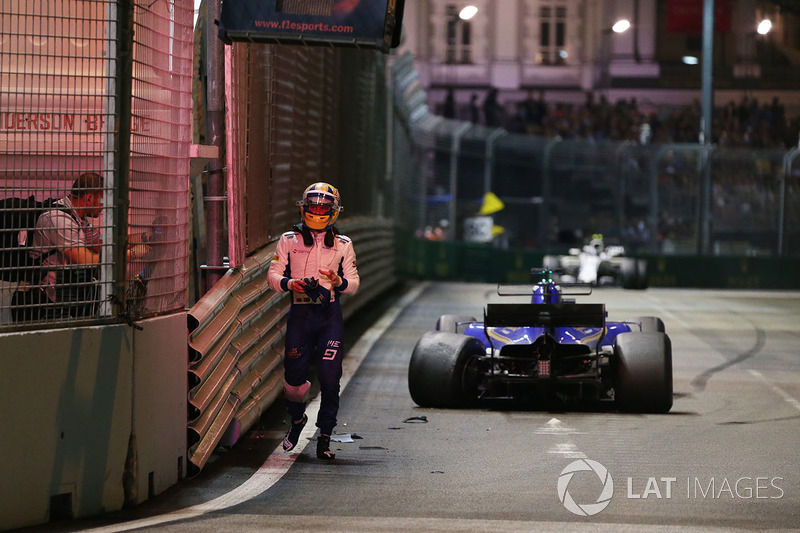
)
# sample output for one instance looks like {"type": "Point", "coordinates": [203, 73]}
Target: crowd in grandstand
{"type": "Point", "coordinates": [745, 188]}
{"type": "Point", "coordinates": [747, 123]}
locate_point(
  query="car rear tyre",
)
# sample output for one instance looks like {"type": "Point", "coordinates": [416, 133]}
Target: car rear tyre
{"type": "Point", "coordinates": [650, 324]}
{"type": "Point", "coordinates": [641, 272]}
{"type": "Point", "coordinates": [643, 372]}
{"type": "Point", "coordinates": [436, 370]}
{"type": "Point", "coordinates": [629, 273]}
{"type": "Point", "coordinates": [449, 323]}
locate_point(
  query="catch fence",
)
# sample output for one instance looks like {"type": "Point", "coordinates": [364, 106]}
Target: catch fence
{"type": "Point", "coordinates": [556, 193]}
{"type": "Point", "coordinates": [97, 87]}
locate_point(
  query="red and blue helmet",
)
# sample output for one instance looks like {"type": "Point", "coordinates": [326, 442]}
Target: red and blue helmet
{"type": "Point", "coordinates": [320, 206]}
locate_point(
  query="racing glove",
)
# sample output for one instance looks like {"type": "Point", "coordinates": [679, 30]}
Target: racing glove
{"type": "Point", "coordinates": [297, 285]}
{"type": "Point", "coordinates": [316, 291]}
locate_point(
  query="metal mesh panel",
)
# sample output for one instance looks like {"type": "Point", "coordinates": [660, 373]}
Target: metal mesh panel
{"type": "Point", "coordinates": [56, 122]}
{"type": "Point", "coordinates": [789, 236]}
{"type": "Point", "coordinates": [582, 178]}
{"type": "Point", "coordinates": [304, 115]}
{"type": "Point", "coordinates": [745, 201]}
{"type": "Point", "coordinates": [59, 120]}
{"type": "Point", "coordinates": [678, 171]}
{"type": "Point", "coordinates": [160, 138]}
{"type": "Point", "coordinates": [361, 143]}
{"type": "Point", "coordinates": [558, 192]}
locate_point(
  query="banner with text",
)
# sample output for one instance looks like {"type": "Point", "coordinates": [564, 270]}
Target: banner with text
{"type": "Point", "coordinates": [366, 23]}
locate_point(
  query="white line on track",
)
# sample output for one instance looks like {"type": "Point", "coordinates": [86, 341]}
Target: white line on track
{"type": "Point", "coordinates": [779, 391]}
{"type": "Point", "coordinates": [278, 462]}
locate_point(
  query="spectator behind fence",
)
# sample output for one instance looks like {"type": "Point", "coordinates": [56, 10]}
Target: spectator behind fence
{"type": "Point", "coordinates": [70, 261]}
{"type": "Point", "coordinates": [449, 110]}
{"type": "Point", "coordinates": [493, 111]}
{"type": "Point", "coordinates": [745, 124]}
{"type": "Point", "coordinates": [474, 109]}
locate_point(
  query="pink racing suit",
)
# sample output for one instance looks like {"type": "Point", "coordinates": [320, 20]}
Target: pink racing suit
{"type": "Point", "coordinates": [314, 328]}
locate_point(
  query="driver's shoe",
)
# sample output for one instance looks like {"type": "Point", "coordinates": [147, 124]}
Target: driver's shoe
{"type": "Point", "coordinates": [324, 448]}
{"type": "Point", "coordinates": [293, 435]}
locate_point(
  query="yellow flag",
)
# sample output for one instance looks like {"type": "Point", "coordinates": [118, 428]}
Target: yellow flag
{"type": "Point", "coordinates": [491, 204]}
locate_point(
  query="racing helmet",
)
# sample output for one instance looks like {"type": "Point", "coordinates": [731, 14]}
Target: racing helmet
{"type": "Point", "coordinates": [320, 206]}
{"type": "Point", "coordinates": [597, 242]}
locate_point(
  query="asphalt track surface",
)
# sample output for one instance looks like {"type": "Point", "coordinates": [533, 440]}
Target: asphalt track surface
{"type": "Point", "coordinates": [724, 459]}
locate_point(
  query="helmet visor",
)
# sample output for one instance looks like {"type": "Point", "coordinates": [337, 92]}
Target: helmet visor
{"type": "Point", "coordinates": [319, 209]}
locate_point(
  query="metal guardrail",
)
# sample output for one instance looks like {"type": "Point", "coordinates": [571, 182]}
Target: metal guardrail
{"type": "Point", "coordinates": [236, 334]}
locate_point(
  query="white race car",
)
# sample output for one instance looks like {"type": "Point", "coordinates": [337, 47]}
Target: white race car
{"type": "Point", "coordinates": [599, 264]}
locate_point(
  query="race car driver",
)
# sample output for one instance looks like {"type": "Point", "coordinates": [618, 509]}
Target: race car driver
{"type": "Point", "coordinates": [317, 264]}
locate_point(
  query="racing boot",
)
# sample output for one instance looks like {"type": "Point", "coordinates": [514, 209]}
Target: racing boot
{"type": "Point", "coordinates": [324, 448]}
{"type": "Point", "coordinates": [293, 435]}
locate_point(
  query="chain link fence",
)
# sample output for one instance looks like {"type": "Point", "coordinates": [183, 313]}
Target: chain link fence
{"type": "Point", "coordinates": [82, 96]}
{"type": "Point", "coordinates": [556, 193]}
{"type": "Point", "coordinates": [302, 115]}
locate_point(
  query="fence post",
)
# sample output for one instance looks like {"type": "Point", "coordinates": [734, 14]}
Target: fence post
{"type": "Point", "coordinates": [621, 185]}
{"type": "Point", "coordinates": [704, 214]}
{"type": "Point", "coordinates": [455, 149]}
{"type": "Point", "coordinates": [545, 191]}
{"type": "Point", "coordinates": [489, 158]}
{"type": "Point", "coordinates": [122, 167]}
{"type": "Point", "coordinates": [788, 161]}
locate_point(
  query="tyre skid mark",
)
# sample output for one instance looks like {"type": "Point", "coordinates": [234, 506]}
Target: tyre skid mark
{"type": "Point", "coordinates": [701, 380]}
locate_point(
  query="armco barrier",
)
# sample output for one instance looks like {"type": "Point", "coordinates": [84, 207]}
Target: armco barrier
{"type": "Point", "coordinates": [236, 334]}
{"type": "Point", "coordinates": [460, 261]}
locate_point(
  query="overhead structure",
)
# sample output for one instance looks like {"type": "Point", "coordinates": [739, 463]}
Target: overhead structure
{"type": "Point", "coordinates": [372, 24]}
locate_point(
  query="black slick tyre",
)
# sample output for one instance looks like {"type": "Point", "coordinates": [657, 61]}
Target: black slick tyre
{"type": "Point", "coordinates": [641, 274]}
{"type": "Point", "coordinates": [436, 370]}
{"type": "Point", "coordinates": [629, 273]}
{"type": "Point", "coordinates": [643, 381]}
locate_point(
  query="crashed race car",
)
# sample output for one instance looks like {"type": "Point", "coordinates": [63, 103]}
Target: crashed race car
{"type": "Point", "coordinates": [549, 349]}
{"type": "Point", "coordinates": [599, 264]}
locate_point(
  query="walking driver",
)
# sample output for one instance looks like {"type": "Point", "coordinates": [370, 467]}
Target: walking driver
{"type": "Point", "coordinates": [316, 264]}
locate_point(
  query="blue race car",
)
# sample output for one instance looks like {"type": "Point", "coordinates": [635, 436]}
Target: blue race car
{"type": "Point", "coordinates": [549, 348]}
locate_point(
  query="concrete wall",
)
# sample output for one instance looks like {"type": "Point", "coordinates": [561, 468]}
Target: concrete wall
{"type": "Point", "coordinates": [76, 404]}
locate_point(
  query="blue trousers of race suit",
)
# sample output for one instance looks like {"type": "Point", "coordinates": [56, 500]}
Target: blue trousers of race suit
{"type": "Point", "coordinates": [314, 334]}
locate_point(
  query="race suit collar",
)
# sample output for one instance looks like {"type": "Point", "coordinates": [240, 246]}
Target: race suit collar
{"type": "Point", "coordinates": [308, 238]}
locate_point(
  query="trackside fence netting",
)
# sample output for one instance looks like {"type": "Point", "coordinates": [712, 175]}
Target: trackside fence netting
{"type": "Point", "coordinates": [75, 100]}
{"type": "Point", "coordinates": [557, 193]}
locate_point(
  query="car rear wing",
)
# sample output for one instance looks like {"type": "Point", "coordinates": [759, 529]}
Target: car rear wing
{"type": "Point", "coordinates": [566, 289]}
{"type": "Point", "coordinates": [545, 315]}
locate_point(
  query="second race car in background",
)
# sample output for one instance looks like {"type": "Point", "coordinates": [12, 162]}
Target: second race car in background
{"type": "Point", "coordinates": [599, 264]}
